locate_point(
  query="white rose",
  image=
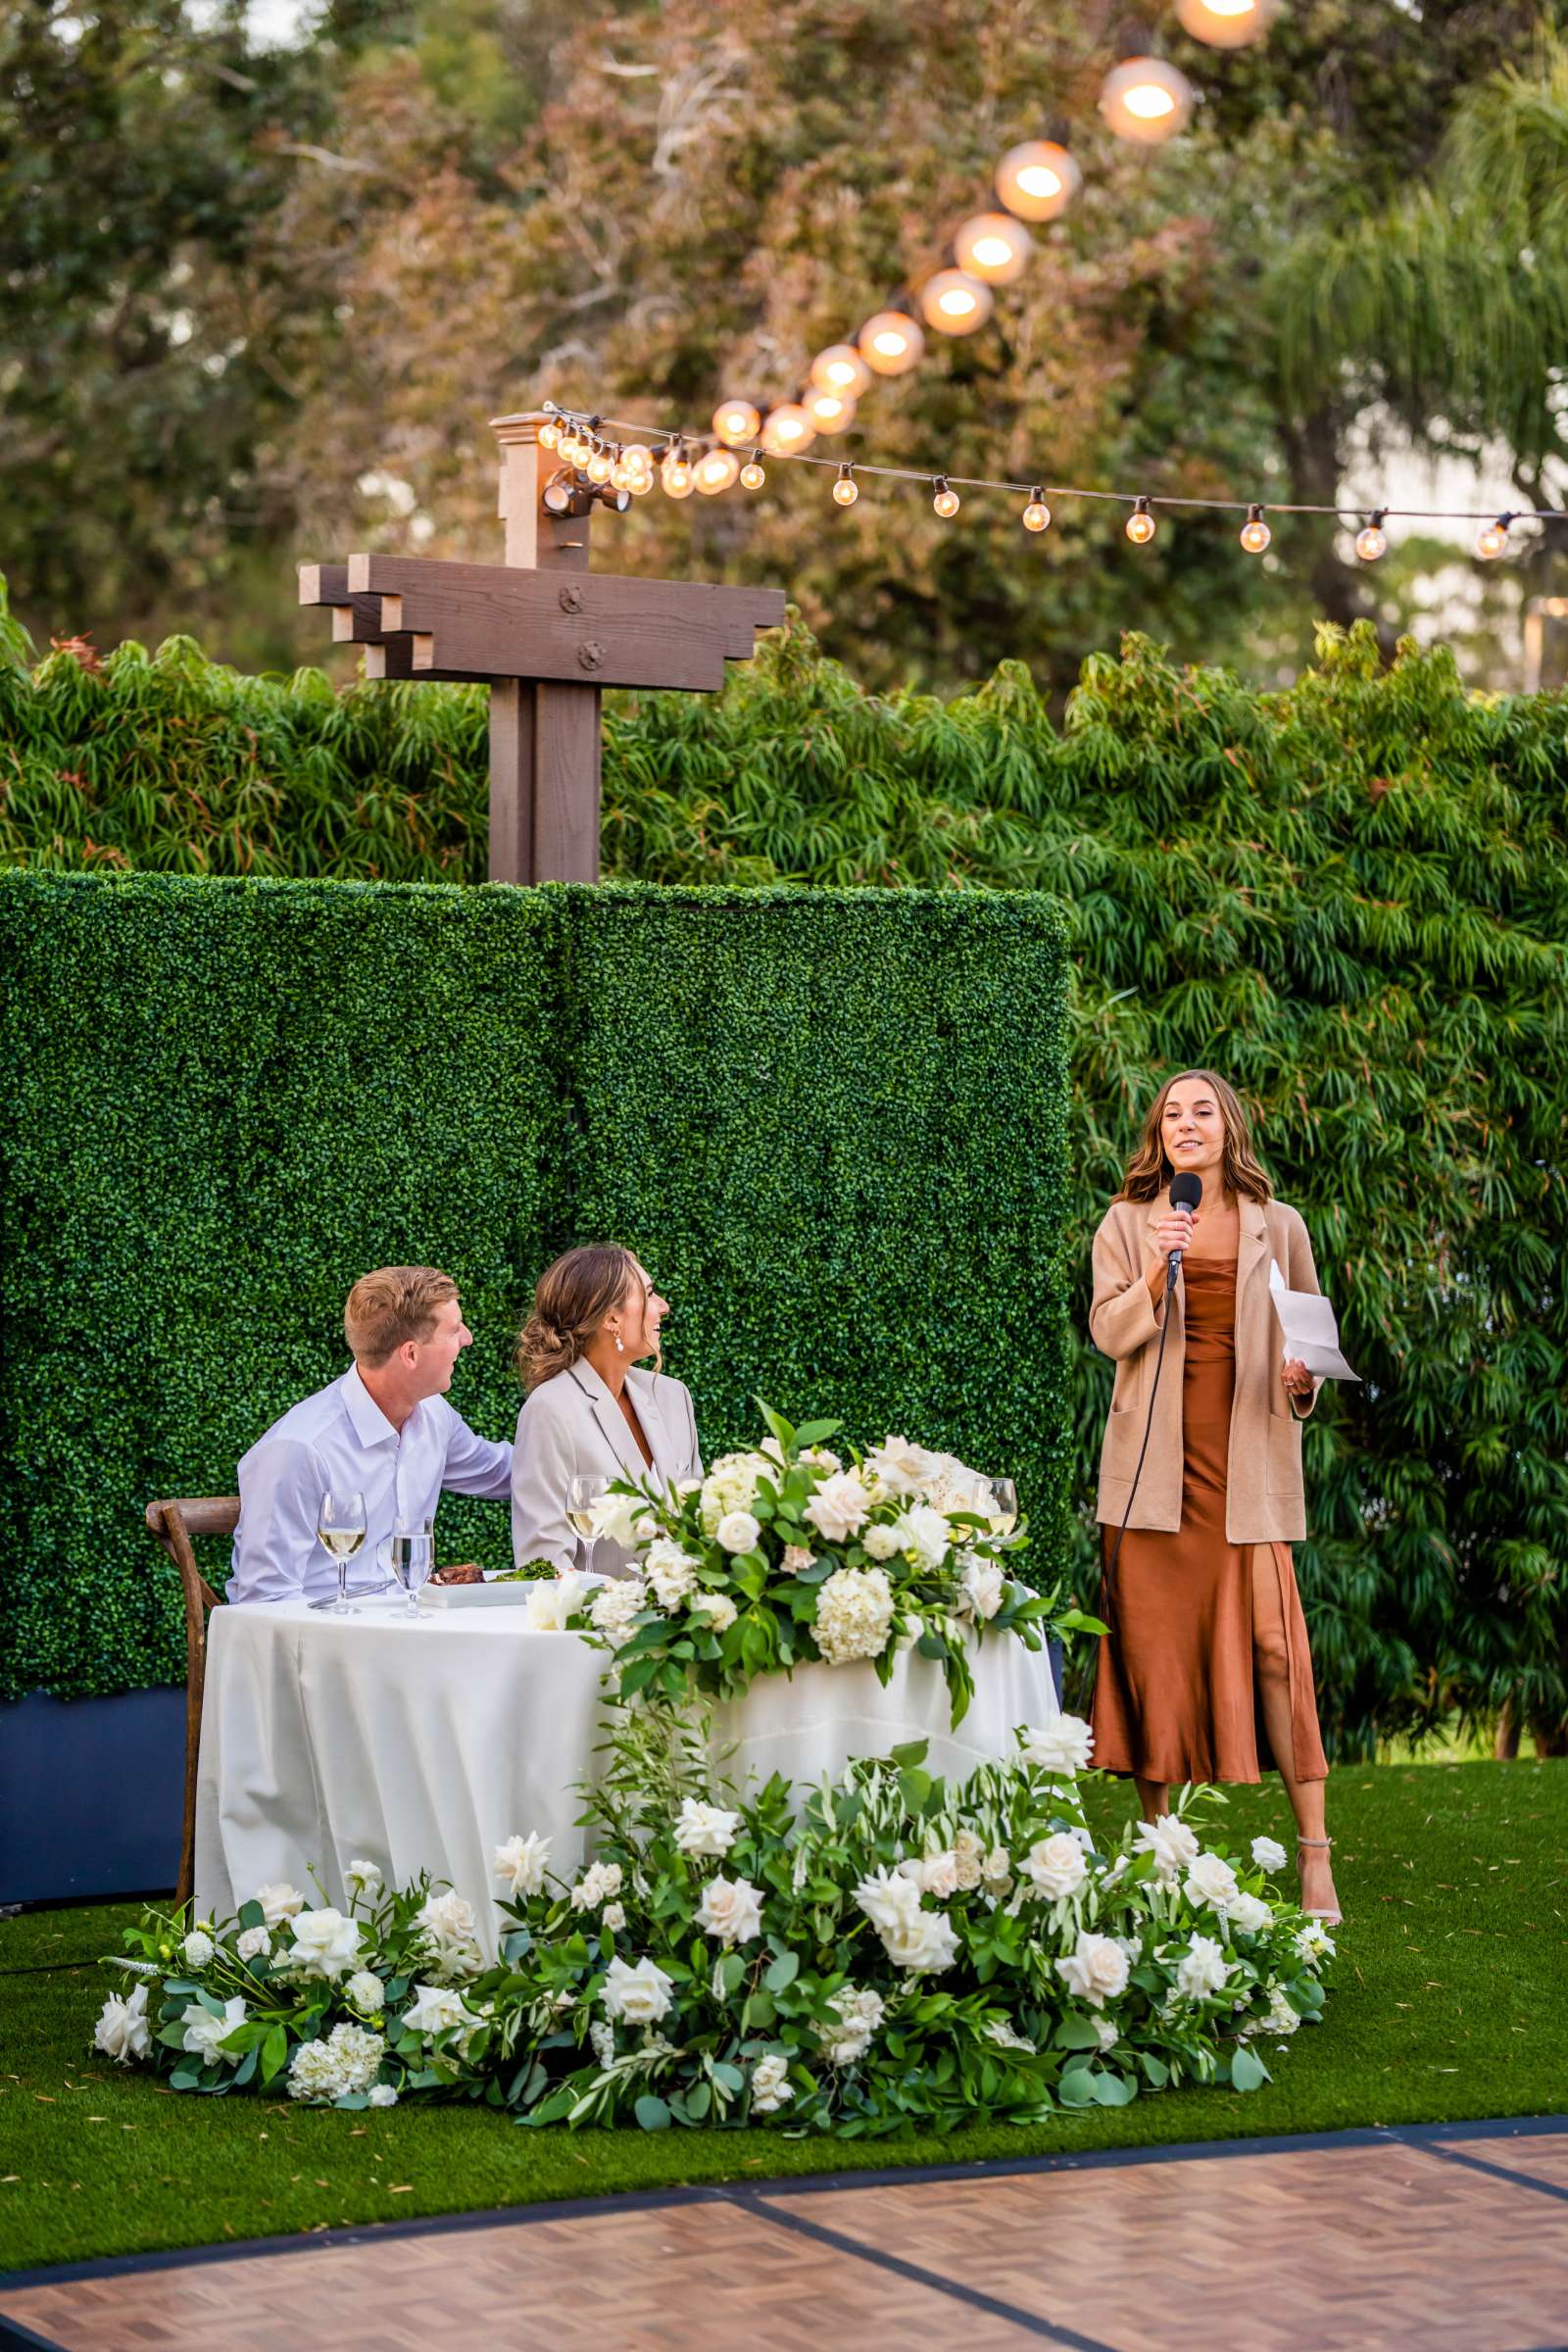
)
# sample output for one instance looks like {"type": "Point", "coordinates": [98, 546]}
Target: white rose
{"type": "Point", "coordinates": [901, 1468]}
{"type": "Point", "coordinates": [854, 1615]}
{"type": "Point", "coordinates": [435, 2008]}
{"type": "Point", "coordinates": [984, 1586]}
{"type": "Point", "coordinates": [616, 1606]}
{"type": "Point", "coordinates": [925, 1535]}
{"type": "Point", "coordinates": [613, 1917]}
{"type": "Point", "coordinates": [382, 2094]}
{"type": "Point", "coordinates": [278, 1903]}
{"type": "Point", "coordinates": [1105, 2034]}
{"type": "Point", "coordinates": [253, 1943]}
{"type": "Point", "coordinates": [933, 1874]}
{"type": "Point", "coordinates": [839, 1506]}
{"type": "Point", "coordinates": [730, 1909]}
{"type": "Point", "coordinates": [859, 2014]}
{"type": "Point", "coordinates": [1062, 1746]}
{"type": "Point", "coordinates": [552, 1599]}
{"type": "Point", "coordinates": [1313, 1944]}
{"type": "Point", "coordinates": [797, 1557]}
{"type": "Point", "coordinates": [1202, 1970]}
{"type": "Point", "coordinates": [642, 1995]}
{"type": "Point", "coordinates": [619, 1519]}
{"type": "Point", "coordinates": [1057, 1866]}
{"type": "Point", "coordinates": [364, 1990]}
{"type": "Point", "coordinates": [122, 2030]}
{"type": "Point", "coordinates": [927, 1939]}
{"type": "Point", "coordinates": [771, 2084]}
{"type": "Point", "coordinates": [1096, 1970]}
{"type": "Point", "coordinates": [362, 1878]}
{"type": "Point", "coordinates": [881, 1541]}
{"type": "Point", "coordinates": [325, 1944]}
{"type": "Point", "coordinates": [1170, 1841]}
{"type": "Point", "coordinates": [197, 1950]}
{"type": "Point", "coordinates": [1210, 1881]}
{"type": "Point", "coordinates": [996, 1872]}
{"type": "Point", "coordinates": [1248, 1914]}
{"type": "Point", "coordinates": [671, 1573]}
{"type": "Point", "coordinates": [716, 1610]}
{"type": "Point", "coordinates": [704, 1829]}
{"type": "Point", "coordinates": [738, 1531]}
{"type": "Point", "coordinates": [598, 1881]}
{"type": "Point", "coordinates": [203, 2031]}
{"type": "Point", "coordinates": [520, 1863]}
{"type": "Point", "coordinates": [452, 1934]}
{"type": "Point", "coordinates": [968, 1860]}
{"type": "Point", "coordinates": [888, 1900]}
{"type": "Point", "coordinates": [1007, 2037]}
{"type": "Point", "coordinates": [1268, 1853]}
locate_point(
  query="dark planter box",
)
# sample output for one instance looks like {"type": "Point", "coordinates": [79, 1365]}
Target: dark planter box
{"type": "Point", "coordinates": [92, 1796]}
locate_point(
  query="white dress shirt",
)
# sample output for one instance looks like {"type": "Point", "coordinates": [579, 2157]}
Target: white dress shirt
{"type": "Point", "coordinates": [571, 1423]}
{"type": "Point", "coordinates": [340, 1438]}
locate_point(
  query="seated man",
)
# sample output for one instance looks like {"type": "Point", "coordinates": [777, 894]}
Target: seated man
{"type": "Point", "coordinates": [385, 1428]}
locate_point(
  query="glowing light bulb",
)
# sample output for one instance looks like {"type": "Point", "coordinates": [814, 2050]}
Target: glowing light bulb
{"type": "Point", "coordinates": [550, 435]}
{"type": "Point", "coordinates": [715, 472]}
{"type": "Point", "coordinates": [1373, 541]}
{"type": "Point", "coordinates": [1255, 533]}
{"type": "Point", "coordinates": [788, 429]}
{"type": "Point", "coordinates": [1492, 540]}
{"type": "Point", "coordinates": [1225, 24]}
{"type": "Point", "coordinates": [946, 501]}
{"type": "Point", "coordinates": [891, 343]}
{"type": "Point", "coordinates": [752, 475]}
{"type": "Point", "coordinates": [995, 247]}
{"type": "Point", "coordinates": [1038, 180]}
{"type": "Point", "coordinates": [736, 421]}
{"type": "Point", "coordinates": [1144, 99]}
{"type": "Point", "coordinates": [1141, 524]}
{"type": "Point", "coordinates": [846, 490]}
{"type": "Point", "coordinates": [839, 369]}
{"type": "Point", "coordinates": [830, 412]}
{"type": "Point", "coordinates": [601, 465]}
{"type": "Point", "coordinates": [954, 303]}
{"type": "Point", "coordinates": [1035, 514]}
{"type": "Point", "coordinates": [676, 474]}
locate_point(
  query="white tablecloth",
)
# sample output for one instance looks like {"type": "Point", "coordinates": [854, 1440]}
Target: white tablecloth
{"type": "Point", "coordinates": [422, 1747]}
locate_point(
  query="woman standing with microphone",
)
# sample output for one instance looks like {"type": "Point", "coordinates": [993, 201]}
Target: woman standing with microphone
{"type": "Point", "coordinates": [1205, 1673]}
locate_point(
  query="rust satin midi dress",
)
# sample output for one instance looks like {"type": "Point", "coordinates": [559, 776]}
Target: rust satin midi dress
{"type": "Point", "coordinates": [1174, 1695]}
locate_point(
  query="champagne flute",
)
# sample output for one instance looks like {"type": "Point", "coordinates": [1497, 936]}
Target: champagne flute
{"type": "Point", "coordinates": [1004, 1507]}
{"type": "Point", "coordinates": [340, 1524]}
{"type": "Point", "coordinates": [410, 1554]}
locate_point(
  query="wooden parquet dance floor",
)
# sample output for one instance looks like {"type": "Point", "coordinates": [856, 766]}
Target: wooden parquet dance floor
{"type": "Point", "coordinates": [1447, 2239]}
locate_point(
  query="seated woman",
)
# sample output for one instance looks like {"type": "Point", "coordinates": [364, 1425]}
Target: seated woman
{"type": "Point", "coordinates": [591, 1409]}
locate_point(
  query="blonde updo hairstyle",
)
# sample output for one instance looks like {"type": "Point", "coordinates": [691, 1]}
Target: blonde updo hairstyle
{"type": "Point", "coordinates": [570, 1301]}
{"type": "Point", "coordinates": [1149, 1171]}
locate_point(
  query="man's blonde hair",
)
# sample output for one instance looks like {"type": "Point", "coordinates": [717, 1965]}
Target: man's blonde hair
{"type": "Point", "coordinates": [393, 1305]}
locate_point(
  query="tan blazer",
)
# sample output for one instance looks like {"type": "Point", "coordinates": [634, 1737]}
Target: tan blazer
{"type": "Point", "coordinates": [572, 1423]}
{"type": "Point", "coordinates": [1265, 1502]}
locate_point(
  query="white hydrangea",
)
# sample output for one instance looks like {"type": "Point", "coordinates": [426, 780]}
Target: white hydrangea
{"type": "Point", "coordinates": [881, 1539]}
{"type": "Point", "coordinates": [452, 1937]}
{"type": "Point", "coordinates": [203, 2031]}
{"type": "Point", "coordinates": [598, 1882]}
{"type": "Point", "coordinates": [771, 2084]}
{"type": "Point", "coordinates": [364, 1990]}
{"type": "Point", "coordinates": [731, 1486]}
{"type": "Point", "coordinates": [1202, 1970]}
{"type": "Point", "coordinates": [1062, 1746]}
{"type": "Point", "coordinates": [1105, 2034]}
{"type": "Point", "coordinates": [197, 1948]}
{"type": "Point", "coordinates": [859, 2014]}
{"type": "Point", "coordinates": [1056, 1867]}
{"type": "Point", "coordinates": [1268, 1853]}
{"type": "Point", "coordinates": [520, 1863]}
{"type": "Point", "coordinates": [642, 1995]}
{"type": "Point", "coordinates": [730, 1909]}
{"type": "Point", "coordinates": [347, 2061]}
{"type": "Point", "coordinates": [122, 2029]}
{"type": "Point", "coordinates": [671, 1572]}
{"type": "Point", "coordinates": [253, 1943]}
{"type": "Point", "coordinates": [1281, 2018]}
{"type": "Point", "coordinates": [716, 1610]}
{"type": "Point", "coordinates": [704, 1829]}
{"type": "Point", "coordinates": [1170, 1841]}
{"type": "Point", "coordinates": [616, 1606]}
{"type": "Point", "coordinates": [602, 2035]}
{"type": "Point", "coordinates": [854, 1615]}
{"type": "Point", "coordinates": [382, 2094]}
{"type": "Point", "coordinates": [839, 1507]}
{"type": "Point", "coordinates": [1096, 1970]}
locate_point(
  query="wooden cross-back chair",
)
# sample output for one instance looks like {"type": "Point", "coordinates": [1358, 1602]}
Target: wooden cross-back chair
{"type": "Point", "coordinates": [173, 1523]}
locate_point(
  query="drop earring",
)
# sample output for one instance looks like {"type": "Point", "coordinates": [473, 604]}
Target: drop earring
{"type": "Point", "coordinates": [621, 1347]}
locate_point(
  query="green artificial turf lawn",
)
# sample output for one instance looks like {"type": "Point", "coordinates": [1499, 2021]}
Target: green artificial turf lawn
{"type": "Point", "coordinates": [1448, 2000]}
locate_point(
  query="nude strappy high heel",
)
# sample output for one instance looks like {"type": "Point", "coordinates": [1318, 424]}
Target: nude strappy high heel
{"type": "Point", "coordinates": [1327, 1919]}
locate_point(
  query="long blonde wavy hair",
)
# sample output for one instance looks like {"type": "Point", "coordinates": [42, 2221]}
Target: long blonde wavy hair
{"type": "Point", "coordinates": [570, 1301]}
{"type": "Point", "coordinates": [1149, 1172]}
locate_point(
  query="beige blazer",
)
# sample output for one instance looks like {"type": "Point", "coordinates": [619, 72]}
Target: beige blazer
{"type": "Point", "coordinates": [1265, 1502]}
{"type": "Point", "coordinates": [571, 1423]}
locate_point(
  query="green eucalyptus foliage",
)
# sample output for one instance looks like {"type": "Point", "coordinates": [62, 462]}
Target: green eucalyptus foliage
{"type": "Point", "coordinates": [223, 1100]}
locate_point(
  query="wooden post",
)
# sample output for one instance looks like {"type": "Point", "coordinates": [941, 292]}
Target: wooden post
{"type": "Point", "coordinates": [545, 774]}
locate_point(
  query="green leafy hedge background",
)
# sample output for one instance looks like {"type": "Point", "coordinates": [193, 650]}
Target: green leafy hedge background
{"type": "Point", "coordinates": [832, 1123]}
{"type": "Point", "coordinates": [1353, 897]}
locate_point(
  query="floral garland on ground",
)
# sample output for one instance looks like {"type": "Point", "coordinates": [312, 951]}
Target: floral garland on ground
{"type": "Point", "coordinates": [899, 1954]}
{"type": "Point", "coordinates": [785, 1555]}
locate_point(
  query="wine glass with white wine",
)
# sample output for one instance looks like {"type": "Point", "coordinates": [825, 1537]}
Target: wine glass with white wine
{"type": "Point", "coordinates": [340, 1524]}
{"type": "Point", "coordinates": [1004, 1513]}
{"type": "Point", "coordinates": [585, 1492]}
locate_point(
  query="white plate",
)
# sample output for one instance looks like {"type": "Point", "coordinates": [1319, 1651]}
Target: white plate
{"type": "Point", "coordinates": [474, 1597]}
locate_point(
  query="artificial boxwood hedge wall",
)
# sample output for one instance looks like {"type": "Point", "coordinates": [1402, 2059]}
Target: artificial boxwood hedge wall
{"type": "Point", "coordinates": [832, 1122]}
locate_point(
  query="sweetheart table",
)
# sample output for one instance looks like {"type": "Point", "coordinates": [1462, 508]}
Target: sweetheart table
{"type": "Point", "coordinates": [425, 1745]}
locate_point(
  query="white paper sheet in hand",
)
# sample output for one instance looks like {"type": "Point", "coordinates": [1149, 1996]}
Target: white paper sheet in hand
{"type": "Point", "coordinates": [1312, 1334]}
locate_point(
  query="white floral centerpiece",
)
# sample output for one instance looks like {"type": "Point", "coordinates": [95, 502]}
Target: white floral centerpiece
{"type": "Point", "coordinates": [789, 1555]}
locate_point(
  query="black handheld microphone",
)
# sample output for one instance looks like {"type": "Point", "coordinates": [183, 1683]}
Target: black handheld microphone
{"type": "Point", "coordinates": [1186, 1192]}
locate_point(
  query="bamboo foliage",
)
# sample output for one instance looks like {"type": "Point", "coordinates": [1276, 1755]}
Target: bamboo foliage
{"type": "Point", "coordinates": [1353, 897]}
